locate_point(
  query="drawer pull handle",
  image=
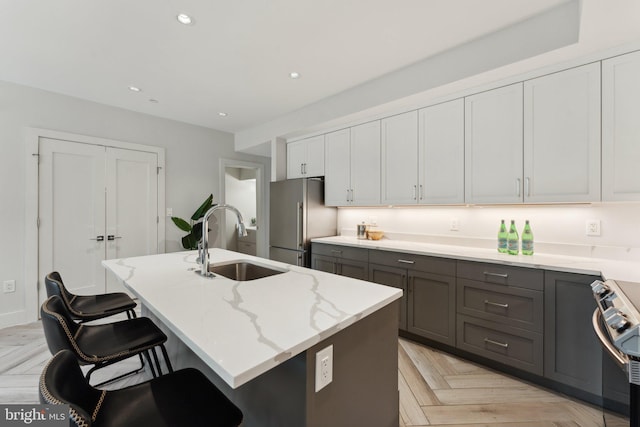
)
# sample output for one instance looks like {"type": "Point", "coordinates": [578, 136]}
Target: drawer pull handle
{"type": "Point", "coordinates": [499, 344]}
{"type": "Point", "coordinates": [502, 275]}
{"type": "Point", "coordinates": [333, 251]}
{"type": "Point", "coordinates": [497, 304]}
{"type": "Point", "coordinates": [406, 261]}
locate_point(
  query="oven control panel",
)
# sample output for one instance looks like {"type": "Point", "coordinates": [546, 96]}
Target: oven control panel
{"type": "Point", "coordinates": [620, 316]}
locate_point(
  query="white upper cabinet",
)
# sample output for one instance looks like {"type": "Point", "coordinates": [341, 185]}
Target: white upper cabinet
{"type": "Point", "coordinates": [621, 128]}
{"type": "Point", "coordinates": [337, 180]}
{"type": "Point", "coordinates": [493, 146]}
{"type": "Point", "coordinates": [365, 164]}
{"type": "Point", "coordinates": [441, 153]}
{"type": "Point", "coordinates": [400, 159]}
{"type": "Point", "coordinates": [562, 136]}
{"type": "Point", "coordinates": [352, 166]}
{"type": "Point", "coordinates": [305, 158]}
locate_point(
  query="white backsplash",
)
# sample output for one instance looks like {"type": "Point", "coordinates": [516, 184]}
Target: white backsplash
{"type": "Point", "coordinates": [557, 229]}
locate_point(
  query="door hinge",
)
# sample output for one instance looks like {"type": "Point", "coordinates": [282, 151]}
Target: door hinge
{"type": "Point", "coordinates": [38, 222]}
{"type": "Point", "coordinates": [157, 220]}
{"type": "Point", "coordinates": [158, 170]}
{"type": "Point", "coordinates": [37, 156]}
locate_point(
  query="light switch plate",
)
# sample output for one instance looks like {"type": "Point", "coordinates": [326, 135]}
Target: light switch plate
{"type": "Point", "coordinates": [8, 286]}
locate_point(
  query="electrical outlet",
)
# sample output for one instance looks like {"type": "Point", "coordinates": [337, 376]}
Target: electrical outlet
{"type": "Point", "coordinates": [324, 367]}
{"type": "Point", "coordinates": [169, 211]}
{"type": "Point", "coordinates": [455, 224]}
{"type": "Point", "coordinates": [593, 227]}
{"type": "Point", "coordinates": [9, 286]}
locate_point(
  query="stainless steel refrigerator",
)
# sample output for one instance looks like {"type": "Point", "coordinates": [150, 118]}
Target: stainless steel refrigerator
{"type": "Point", "coordinates": [297, 215]}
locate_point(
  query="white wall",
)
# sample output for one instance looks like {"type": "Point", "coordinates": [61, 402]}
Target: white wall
{"type": "Point", "coordinates": [557, 228]}
{"type": "Point", "coordinates": [192, 154]}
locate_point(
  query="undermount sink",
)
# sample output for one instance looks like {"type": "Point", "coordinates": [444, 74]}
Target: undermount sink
{"type": "Point", "coordinates": [243, 270]}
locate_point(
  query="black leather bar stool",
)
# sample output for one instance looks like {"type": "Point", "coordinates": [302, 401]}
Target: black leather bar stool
{"type": "Point", "coordinates": [101, 345]}
{"type": "Point", "coordinates": [182, 398]}
{"type": "Point", "coordinates": [85, 308]}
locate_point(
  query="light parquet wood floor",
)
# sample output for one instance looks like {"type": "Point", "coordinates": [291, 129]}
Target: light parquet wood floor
{"type": "Point", "coordinates": [436, 389]}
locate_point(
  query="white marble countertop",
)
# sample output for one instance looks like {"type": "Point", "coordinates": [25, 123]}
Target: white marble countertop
{"type": "Point", "coordinates": [243, 329]}
{"type": "Point", "coordinates": [607, 268]}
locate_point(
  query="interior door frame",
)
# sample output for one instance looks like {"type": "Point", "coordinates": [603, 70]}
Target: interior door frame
{"type": "Point", "coordinates": [262, 196]}
{"type": "Point", "coordinates": [31, 249]}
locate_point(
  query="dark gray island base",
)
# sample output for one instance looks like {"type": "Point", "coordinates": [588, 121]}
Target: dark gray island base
{"type": "Point", "coordinates": [364, 390]}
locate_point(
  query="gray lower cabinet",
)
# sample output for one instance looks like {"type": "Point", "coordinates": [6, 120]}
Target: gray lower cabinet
{"type": "Point", "coordinates": [573, 355]}
{"type": "Point", "coordinates": [396, 277]}
{"type": "Point", "coordinates": [342, 260]}
{"type": "Point", "coordinates": [429, 287]}
{"type": "Point", "coordinates": [500, 314]}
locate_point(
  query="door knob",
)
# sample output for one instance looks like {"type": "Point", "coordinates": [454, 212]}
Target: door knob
{"type": "Point", "coordinates": [98, 238]}
{"type": "Point", "coordinates": [112, 237]}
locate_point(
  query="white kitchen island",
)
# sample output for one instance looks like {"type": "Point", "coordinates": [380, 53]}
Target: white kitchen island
{"type": "Point", "coordinates": [257, 340]}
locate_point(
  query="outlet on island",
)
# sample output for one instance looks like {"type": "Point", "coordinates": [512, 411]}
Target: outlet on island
{"type": "Point", "coordinates": [324, 367]}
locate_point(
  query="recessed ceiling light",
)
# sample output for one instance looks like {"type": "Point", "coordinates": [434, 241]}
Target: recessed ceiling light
{"type": "Point", "coordinates": [294, 75]}
{"type": "Point", "coordinates": [222, 114]}
{"type": "Point", "coordinates": [185, 19]}
{"type": "Point", "coordinates": [135, 89]}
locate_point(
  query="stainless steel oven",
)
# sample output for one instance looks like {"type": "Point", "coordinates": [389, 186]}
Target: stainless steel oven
{"type": "Point", "coordinates": [616, 322]}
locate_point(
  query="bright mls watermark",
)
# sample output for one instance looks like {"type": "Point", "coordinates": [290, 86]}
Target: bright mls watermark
{"type": "Point", "coordinates": [34, 415]}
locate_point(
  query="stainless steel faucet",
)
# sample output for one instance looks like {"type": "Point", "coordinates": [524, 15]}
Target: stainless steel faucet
{"type": "Point", "coordinates": [203, 245]}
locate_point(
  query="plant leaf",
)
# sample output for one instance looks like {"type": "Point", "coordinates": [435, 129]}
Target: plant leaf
{"type": "Point", "coordinates": [189, 242]}
{"type": "Point", "coordinates": [181, 224]}
{"type": "Point", "coordinates": [204, 207]}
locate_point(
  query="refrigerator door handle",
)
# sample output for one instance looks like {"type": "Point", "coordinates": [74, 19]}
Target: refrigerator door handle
{"type": "Point", "coordinates": [299, 224]}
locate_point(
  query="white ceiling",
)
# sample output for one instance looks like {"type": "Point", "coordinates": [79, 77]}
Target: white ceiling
{"type": "Point", "coordinates": [237, 57]}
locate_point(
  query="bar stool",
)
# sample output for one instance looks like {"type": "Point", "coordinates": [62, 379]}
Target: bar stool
{"type": "Point", "coordinates": [182, 398]}
{"type": "Point", "coordinates": [85, 308]}
{"type": "Point", "coordinates": [101, 345]}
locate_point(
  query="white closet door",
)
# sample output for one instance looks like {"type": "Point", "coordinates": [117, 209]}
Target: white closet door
{"type": "Point", "coordinates": [72, 215]}
{"type": "Point", "coordinates": [132, 200]}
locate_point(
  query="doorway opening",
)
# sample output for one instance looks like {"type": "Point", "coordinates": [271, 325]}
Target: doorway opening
{"type": "Point", "coordinates": [242, 186]}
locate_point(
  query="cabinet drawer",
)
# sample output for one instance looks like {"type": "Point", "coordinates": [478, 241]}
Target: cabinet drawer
{"type": "Point", "coordinates": [501, 274]}
{"type": "Point", "coordinates": [511, 346]}
{"type": "Point", "coordinates": [339, 251]}
{"type": "Point", "coordinates": [518, 307]}
{"type": "Point", "coordinates": [433, 265]}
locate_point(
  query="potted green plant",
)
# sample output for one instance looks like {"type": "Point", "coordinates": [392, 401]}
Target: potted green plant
{"type": "Point", "coordinates": [194, 226]}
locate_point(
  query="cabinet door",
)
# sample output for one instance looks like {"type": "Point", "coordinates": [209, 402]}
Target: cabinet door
{"type": "Point", "coordinates": [441, 153]}
{"type": "Point", "coordinates": [323, 263]}
{"type": "Point", "coordinates": [314, 163]}
{"type": "Point", "coordinates": [396, 277]}
{"type": "Point", "coordinates": [399, 159]}
{"type": "Point", "coordinates": [493, 146]}
{"type": "Point", "coordinates": [562, 136]}
{"type": "Point", "coordinates": [365, 164]}
{"type": "Point", "coordinates": [296, 155]}
{"type": "Point", "coordinates": [432, 306]}
{"type": "Point", "coordinates": [336, 180]}
{"type": "Point", "coordinates": [572, 353]}
{"type": "Point", "coordinates": [621, 128]}
{"type": "Point", "coordinates": [353, 269]}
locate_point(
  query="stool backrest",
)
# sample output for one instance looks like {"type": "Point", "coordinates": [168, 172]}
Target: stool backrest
{"type": "Point", "coordinates": [62, 382]}
{"type": "Point", "coordinates": [59, 327]}
{"type": "Point", "coordinates": [55, 286]}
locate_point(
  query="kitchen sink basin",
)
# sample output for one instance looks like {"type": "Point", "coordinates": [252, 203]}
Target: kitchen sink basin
{"type": "Point", "coordinates": [243, 270]}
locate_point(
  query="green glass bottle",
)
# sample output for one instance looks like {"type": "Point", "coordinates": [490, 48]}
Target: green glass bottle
{"type": "Point", "coordinates": [502, 238]}
{"type": "Point", "coordinates": [512, 239]}
{"type": "Point", "coordinates": [527, 239]}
